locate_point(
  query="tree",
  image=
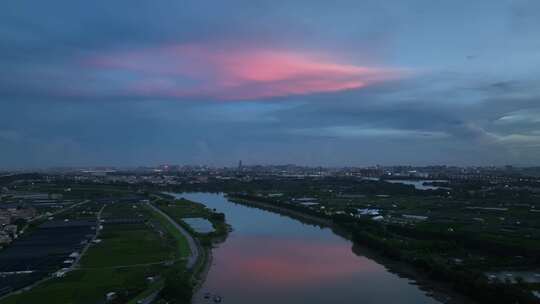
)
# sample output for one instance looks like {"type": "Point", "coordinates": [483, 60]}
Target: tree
{"type": "Point", "coordinates": [178, 288]}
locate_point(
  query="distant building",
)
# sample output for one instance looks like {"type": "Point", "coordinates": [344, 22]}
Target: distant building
{"type": "Point", "coordinates": [110, 296]}
{"type": "Point", "coordinates": [24, 213]}
{"type": "Point", "coordinates": [5, 217]}
{"type": "Point", "coordinates": [305, 200]}
{"type": "Point", "coordinates": [11, 229]}
{"type": "Point", "coordinates": [4, 238]}
{"type": "Point", "coordinates": [414, 217]}
{"type": "Point", "coordinates": [368, 211]}
{"type": "Point", "coordinates": [60, 273]}
{"type": "Point", "coordinates": [56, 196]}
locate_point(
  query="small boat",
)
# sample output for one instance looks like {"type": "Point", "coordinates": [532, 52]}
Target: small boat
{"type": "Point", "coordinates": [217, 299]}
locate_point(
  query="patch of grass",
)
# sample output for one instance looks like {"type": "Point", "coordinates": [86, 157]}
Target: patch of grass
{"type": "Point", "coordinates": [132, 245]}
{"type": "Point", "coordinates": [87, 286]}
{"type": "Point", "coordinates": [149, 291]}
{"type": "Point", "coordinates": [180, 241]}
{"type": "Point", "coordinates": [121, 246]}
{"type": "Point", "coordinates": [182, 208]}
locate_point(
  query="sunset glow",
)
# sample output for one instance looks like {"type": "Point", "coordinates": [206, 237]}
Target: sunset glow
{"type": "Point", "coordinates": [229, 73]}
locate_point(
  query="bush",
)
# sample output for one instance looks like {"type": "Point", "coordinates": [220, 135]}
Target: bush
{"type": "Point", "coordinates": [178, 288]}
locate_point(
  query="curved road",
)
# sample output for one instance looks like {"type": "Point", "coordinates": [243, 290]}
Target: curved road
{"type": "Point", "coordinates": [193, 246]}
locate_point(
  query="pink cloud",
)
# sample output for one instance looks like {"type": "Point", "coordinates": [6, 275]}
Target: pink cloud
{"type": "Point", "coordinates": [232, 72]}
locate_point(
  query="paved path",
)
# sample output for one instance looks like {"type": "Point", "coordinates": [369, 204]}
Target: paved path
{"type": "Point", "coordinates": [165, 262]}
{"type": "Point", "coordinates": [98, 228]}
{"type": "Point", "coordinates": [44, 215]}
{"type": "Point", "coordinates": [193, 248]}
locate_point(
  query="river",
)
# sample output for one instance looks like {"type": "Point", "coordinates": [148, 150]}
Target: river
{"type": "Point", "coordinates": [269, 258]}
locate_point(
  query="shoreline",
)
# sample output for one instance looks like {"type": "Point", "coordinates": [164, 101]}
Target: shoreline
{"type": "Point", "coordinates": [310, 219]}
{"type": "Point", "coordinates": [193, 243]}
{"type": "Point", "coordinates": [205, 266]}
{"type": "Point", "coordinates": [203, 261]}
{"type": "Point", "coordinates": [201, 274]}
{"type": "Point", "coordinates": [438, 290]}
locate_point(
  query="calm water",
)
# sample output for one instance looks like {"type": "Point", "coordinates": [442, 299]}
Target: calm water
{"type": "Point", "coordinates": [269, 258]}
{"type": "Point", "coordinates": [418, 184]}
{"type": "Point", "coordinates": [200, 225]}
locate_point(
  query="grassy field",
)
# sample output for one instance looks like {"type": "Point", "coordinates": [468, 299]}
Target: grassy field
{"type": "Point", "coordinates": [183, 208]}
{"type": "Point", "coordinates": [179, 209]}
{"type": "Point", "coordinates": [149, 291]}
{"type": "Point", "coordinates": [121, 263]}
{"type": "Point", "coordinates": [88, 286]}
{"type": "Point", "coordinates": [180, 242]}
{"type": "Point", "coordinates": [125, 246]}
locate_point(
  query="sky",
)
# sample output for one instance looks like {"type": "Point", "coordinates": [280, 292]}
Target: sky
{"type": "Point", "coordinates": [331, 83]}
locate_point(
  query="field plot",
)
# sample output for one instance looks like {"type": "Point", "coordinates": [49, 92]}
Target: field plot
{"type": "Point", "coordinates": [44, 251]}
{"type": "Point", "coordinates": [128, 244]}
{"type": "Point", "coordinates": [132, 247]}
{"type": "Point", "coordinates": [88, 286]}
{"type": "Point", "coordinates": [195, 217]}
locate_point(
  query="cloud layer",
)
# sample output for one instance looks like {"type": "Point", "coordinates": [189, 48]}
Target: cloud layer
{"type": "Point", "coordinates": [352, 83]}
{"type": "Point", "coordinates": [211, 71]}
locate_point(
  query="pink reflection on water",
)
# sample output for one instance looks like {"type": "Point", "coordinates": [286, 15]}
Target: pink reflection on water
{"type": "Point", "coordinates": [256, 261]}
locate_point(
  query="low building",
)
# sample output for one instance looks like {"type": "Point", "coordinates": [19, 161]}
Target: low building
{"type": "Point", "coordinates": [414, 217]}
{"type": "Point", "coordinates": [5, 219]}
{"type": "Point", "coordinates": [24, 213]}
{"type": "Point", "coordinates": [4, 238]}
{"type": "Point", "coordinates": [11, 229]}
{"type": "Point", "coordinates": [369, 211]}
{"type": "Point", "coordinates": [110, 296]}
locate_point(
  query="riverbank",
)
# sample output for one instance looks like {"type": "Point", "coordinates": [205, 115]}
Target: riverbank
{"type": "Point", "coordinates": [177, 208]}
{"type": "Point", "coordinates": [192, 243]}
{"type": "Point", "coordinates": [206, 259]}
{"type": "Point", "coordinates": [438, 290]}
{"type": "Point", "coordinates": [441, 291]}
{"type": "Point", "coordinates": [310, 219]}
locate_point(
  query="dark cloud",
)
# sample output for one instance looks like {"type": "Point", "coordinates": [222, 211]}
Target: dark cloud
{"type": "Point", "coordinates": [469, 94]}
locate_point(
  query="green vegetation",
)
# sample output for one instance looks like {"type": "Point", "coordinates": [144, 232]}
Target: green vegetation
{"type": "Point", "coordinates": [138, 253]}
{"type": "Point", "coordinates": [155, 287]}
{"type": "Point", "coordinates": [182, 208]}
{"type": "Point", "coordinates": [177, 287]}
{"type": "Point", "coordinates": [88, 286]}
{"type": "Point", "coordinates": [182, 247]}
{"type": "Point", "coordinates": [457, 235]}
{"type": "Point", "coordinates": [139, 242]}
{"type": "Point", "coordinates": [125, 246]}
{"type": "Point", "coordinates": [446, 245]}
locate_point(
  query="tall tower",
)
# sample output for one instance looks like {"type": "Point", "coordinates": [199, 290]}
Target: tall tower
{"type": "Point", "coordinates": [240, 165]}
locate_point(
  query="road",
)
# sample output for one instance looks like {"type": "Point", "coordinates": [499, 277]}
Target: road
{"type": "Point", "coordinates": [74, 265]}
{"type": "Point", "coordinates": [57, 212]}
{"type": "Point", "coordinates": [98, 228]}
{"type": "Point", "coordinates": [193, 247]}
